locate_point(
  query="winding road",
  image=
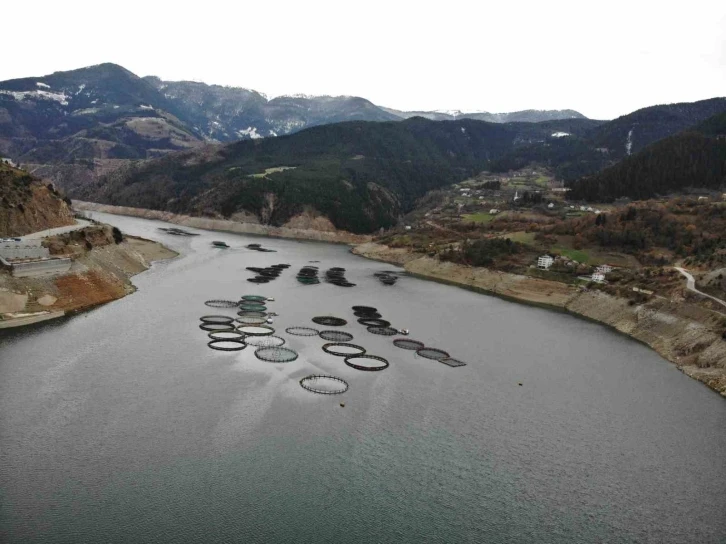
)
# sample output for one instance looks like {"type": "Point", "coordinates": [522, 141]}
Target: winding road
{"type": "Point", "coordinates": [80, 224]}
{"type": "Point", "coordinates": [691, 285]}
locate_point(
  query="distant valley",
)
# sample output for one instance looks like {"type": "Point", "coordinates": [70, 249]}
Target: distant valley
{"type": "Point", "coordinates": [104, 134]}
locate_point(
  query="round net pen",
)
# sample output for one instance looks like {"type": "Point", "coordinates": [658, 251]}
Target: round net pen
{"type": "Point", "coordinates": [329, 321]}
{"type": "Point", "coordinates": [253, 307]}
{"type": "Point", "coordinates": [369, 363]}
{"type": "Point", "coordinates": [253, 298]}
{"type": "Point", "coordinates": [275, 354]}
{"type": "Point", "coordinates": [227, 345]}
{"type": "Point", "coordinates": [364, 309]}
{"type": "Point", "coordinates": [252, 313]}
{"type": "Point", "coordinates": [383, 331]}
{"type": "Point", "coordinates": [256, 330]}
{"type": "Point", "coordinates": [221, 303]}
{"type": "Point", "coordinates": [406, 343]}
{"type": "Point", "coordinates": [226, 335]}
{"type": "Point", "coordinates": [432, 353]}
{"type": "Point", "coordinates": [216, 327]}
{"type": "Point", "coordinates": [251, 320]}
{"type": "Point", "coordinates": [336, 336]}
{"type": "Point", "coordinates": [264, 341]}
{"type": "Point", "coordinates": [368, 322]}
{"type": "Point", "coordinates": [452, 362]}
{"type": "Point", "coordinates": [341, 349]}
{"type": "Point", "coordinates": [324, 385]}
{"type": "Point", "coordinates": [368, 315]}
{"type": "Point", "coordinates": [216, 319]}
{"type": "Point", "coordinates": [302, 331]}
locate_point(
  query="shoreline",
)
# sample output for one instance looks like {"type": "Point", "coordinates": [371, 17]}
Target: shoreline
{"type": "Point", "coordinates": [225, 225]}
{"type": "Point", "coordinates": [684, 334]}
{"type": "Point", "coordinates": [101, 275]}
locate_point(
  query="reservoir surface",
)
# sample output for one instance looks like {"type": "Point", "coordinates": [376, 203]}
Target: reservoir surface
{"type": "Point", "coordinates": [120, 425]}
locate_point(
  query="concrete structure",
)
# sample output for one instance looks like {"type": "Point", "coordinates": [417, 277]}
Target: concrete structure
{"type": "Point", "coordinates": [11, 251]}
{"type": "Point", "coordinates": [604, 269]}
{"type": "Point", "coordinates": [544, 262]}
{"type": "Point", "coordinates": [24, 268]}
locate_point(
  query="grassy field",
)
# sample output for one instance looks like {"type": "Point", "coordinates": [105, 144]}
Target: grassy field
{"type": "Point", "coordinates": [574, 254]}
{"type": "Point", "coordinates": [478, 217]}
{"type": "Point", "coordinates": [521, 237]}
{"type": "Point", "coordinates": [272, 171]}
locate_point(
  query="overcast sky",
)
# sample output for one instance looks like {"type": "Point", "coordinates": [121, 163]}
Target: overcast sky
{"type": "Point", "coordinates": [603, 59]}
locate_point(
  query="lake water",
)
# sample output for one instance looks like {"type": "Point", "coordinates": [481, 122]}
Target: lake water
{"type": "Point", "coordinates": [121, 425]}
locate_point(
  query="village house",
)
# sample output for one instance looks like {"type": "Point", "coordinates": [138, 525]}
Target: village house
{"type": "Point", "coordinates": [544, 262]}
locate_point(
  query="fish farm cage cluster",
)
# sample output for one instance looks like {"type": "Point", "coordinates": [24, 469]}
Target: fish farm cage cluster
{"type": "Point", "coordinates": [371, 318]}
{"type": "Point", "coordinates": [308, 275]}
{"type": "Point", "coordinates": [266, 275]}
{"type": "Point", "coordinates": [252, 327]}
{"type": "Point", "coordinates": [336, 276]}
{"type": "Point", "coordinates": [387, 277]}
{"type": "Point", "coordinates": [178, 232]}
{"type": "Point", "coordinates": [258, 247]}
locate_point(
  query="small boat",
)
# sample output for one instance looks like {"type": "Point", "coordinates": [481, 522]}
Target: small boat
{"type": "Point", "coordinates": [403, 332]}
{"type": "Point", "coordinates": [217, 243]}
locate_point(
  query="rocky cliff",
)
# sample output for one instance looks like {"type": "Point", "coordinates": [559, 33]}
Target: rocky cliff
{"type": "Point", "coordinates": [27, 205]}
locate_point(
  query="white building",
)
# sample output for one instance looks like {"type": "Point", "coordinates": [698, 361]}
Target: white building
{"type": "Point", "coordinates": [604, 269]}
{"type": "Point", "coordinates": [598, 277]}
{"type": "Point", "coordinates": [493, 211]}
{"type": "Point", "coordinates": [544, 262]}
{"type": "Point", "coordinates": [551, 205]}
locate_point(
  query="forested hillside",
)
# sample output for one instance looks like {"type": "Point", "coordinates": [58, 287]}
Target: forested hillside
{"type": "Point", "coordinates": [693, 159]}
{"type": "Point", "coordinates": [573, 156]}
{"type": "Point", "coordinates": [361, 175]}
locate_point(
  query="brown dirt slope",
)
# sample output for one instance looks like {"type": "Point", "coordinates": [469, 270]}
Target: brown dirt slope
{"type": "Point", "coordinates": [26, 205]}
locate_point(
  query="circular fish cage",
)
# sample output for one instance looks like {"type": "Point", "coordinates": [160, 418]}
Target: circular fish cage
{"type": "Point", "coordinates": [227, 345]}
{"type": "Point", "coordinates": [226, 335]}
{"type": "Point", "coordinates": [258, 279]}
{"type": "Point", "coordinates": [406, 343]}
{"type": "Point", "coordinates": [432, 353]}
{"type": "Point", "coordinates": [337, 269]}
{"type": "Point", "coordinates": [452, 362]}
{"type": "Point", "coordinates": [371, 322]}
{"type": "Point", "coordinates": [336, 336]}
{"type": "Point", "coordinates": [256, 330]}
{"type": "Point", "coordinates": [329, 321]}
{"type": "Point", "coordinates": [251, 320]}
{"type": "Point", "coordinates": [252, 313]}
{"type": "Point", "coordinates": [302, 331]}
{"type": "Point", "coordinates": [221, 303]}
{"type": "Point", "coordinates": [216, 319]}
{"type": "Point", "coordinates": [253, 307]}
{"type": "Point", "coordinates": [368, 315]}
{"type": "Point", "coordinates": [370, 363]}
{"type": "Point", "coordinates": [275, 354]}
{"type": "Point", "coordinates": [264, 341]}
{"type": "Point", "coordinates": [383, 331]}
{"type": "Point", "coordinates": [216, 327]}
{"type": "Point", "coordinates": [364, 309]}
{"type": "Point", "coordinates": [341, 349]}
{"type": "Point", "coordinates": [324, 385]}
{"type": "Point", "coordinates": [253, 298]}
